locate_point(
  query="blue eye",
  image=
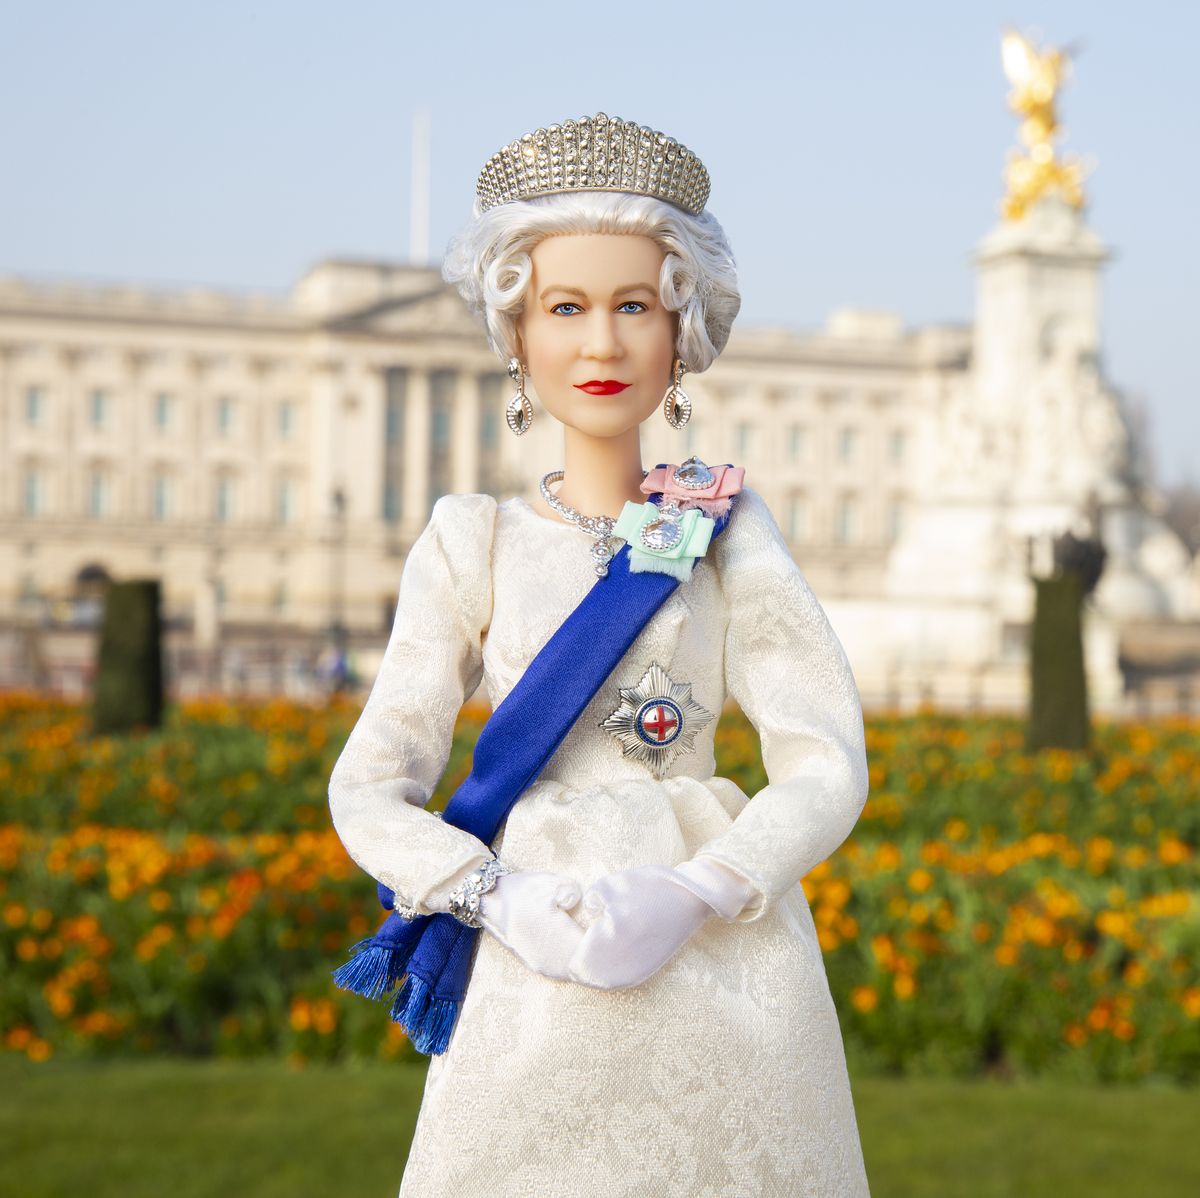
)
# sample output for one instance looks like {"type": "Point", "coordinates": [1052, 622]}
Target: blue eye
{"type": "Point", "coordinates": [558, 309]}
{"type": "Point", "coordinates": [632, 306]}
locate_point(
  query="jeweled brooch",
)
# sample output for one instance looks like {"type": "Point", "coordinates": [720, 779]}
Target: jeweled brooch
{"type": "Point", "coordinates": [657, 721]}
{"type": "Point", "coordinates": [693, 484]}
{"type": "Point", "coordinates": [664, 539]}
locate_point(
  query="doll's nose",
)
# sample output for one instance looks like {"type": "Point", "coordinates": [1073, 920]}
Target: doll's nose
{"type": "Point", "coordinates": [602, 340]}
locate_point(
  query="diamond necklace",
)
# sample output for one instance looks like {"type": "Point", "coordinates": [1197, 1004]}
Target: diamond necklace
{"type": "Point", "coordinates": [599, 527]}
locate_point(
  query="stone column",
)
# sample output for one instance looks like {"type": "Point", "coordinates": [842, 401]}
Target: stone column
{"type": "Point", "coordinates": [132, 486]}
{"type": "Point", "coordinates": [464, 434]}
{"type": "Point", "coordinates": [10, 416]}
{"type": "Point", "coordinates": [66, 480]}
{"type": "Point", "coordinates": [325, 468]}
{"type": "Point", "coordinates": [367, 448]}
{"type": "Point", "coordinates": [414, 510]}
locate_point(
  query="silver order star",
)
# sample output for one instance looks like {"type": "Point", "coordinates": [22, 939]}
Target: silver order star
{"type": "Point", "coordinates": [657, 721]}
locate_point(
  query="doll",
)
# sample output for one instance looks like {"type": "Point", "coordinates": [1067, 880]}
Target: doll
{"type": "Point", "coordinates": [647, 1010]}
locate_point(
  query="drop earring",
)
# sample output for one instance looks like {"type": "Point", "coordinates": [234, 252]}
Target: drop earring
{"type": "Point", "coordinates": [677, 407]}
{"type": "Point", "coordinates": [519, 413]}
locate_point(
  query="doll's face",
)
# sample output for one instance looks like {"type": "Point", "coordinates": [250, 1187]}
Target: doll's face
{"type": "Point", "coordinates": [596, 340]}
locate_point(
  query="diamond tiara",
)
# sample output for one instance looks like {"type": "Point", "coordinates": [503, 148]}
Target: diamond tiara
{"type": "Point", "coordinates": [595, 153]}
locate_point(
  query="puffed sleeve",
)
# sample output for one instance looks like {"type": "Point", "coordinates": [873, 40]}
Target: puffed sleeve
{"type": "Point", "coordinates": [786, 669]}
{"type": "Point", "coordinates": [400, 745]}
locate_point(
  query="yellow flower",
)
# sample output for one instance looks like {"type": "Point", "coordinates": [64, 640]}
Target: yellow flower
{"type": "Point", "coordinates": [920, 880]}
{"type": "Point", "coordinates": [864, 998]}
{"type": "Point", "coordinates": [324, 1016]}
{"type": "Point", "coordinates": [1135, 973]}
{"type": "Point", "coordinates": [904, 985]}
{"type": "Point", "coordinates": [1040, 931]}
{"type": "Point", "coordinates": [301, 1014]}
{"type": "Point", "coordinates": [1114, 923]}
{"type": "Point", "coordinates": [828, 939]}
{"type": "Point", "coordinates": [1173, 851]}
{"type": "Point", "coordinates": [956, 829]}
{"type": "Point", "coordinates": [882, 947]}
{"type": "Point", "coordinates": [18, 1037]}
{"type": "Point", "coordinates": [887, 856]}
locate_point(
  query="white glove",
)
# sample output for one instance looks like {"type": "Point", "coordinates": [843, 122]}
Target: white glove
{"type": "Point", "coordinates": [527, 913]}
{"type": "Point", "coordinates": [643, 916]}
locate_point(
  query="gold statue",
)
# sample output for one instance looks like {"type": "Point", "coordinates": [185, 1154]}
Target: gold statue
{"type": "Point", "coordinates": [1036, 76]}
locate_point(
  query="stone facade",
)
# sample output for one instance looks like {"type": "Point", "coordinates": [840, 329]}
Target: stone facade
{"type": "Point", "coordinates": [272, 459]}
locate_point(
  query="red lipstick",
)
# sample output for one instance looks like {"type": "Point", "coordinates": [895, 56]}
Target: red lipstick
{"type": "Point", "coordinates": [602, 386]}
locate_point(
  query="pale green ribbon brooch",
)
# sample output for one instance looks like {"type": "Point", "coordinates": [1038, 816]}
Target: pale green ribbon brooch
{"type": "Point", "coordinates": [664, 540]}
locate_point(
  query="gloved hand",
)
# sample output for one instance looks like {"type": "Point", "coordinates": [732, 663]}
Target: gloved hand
{"type": "Point", "coordinates": [641, 917]}
{"type": "Point", "coordinates": [527, 913]}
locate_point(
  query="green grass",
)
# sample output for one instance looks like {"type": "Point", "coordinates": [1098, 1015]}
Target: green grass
{"type": "Point", "coordinates": [147, 1129]}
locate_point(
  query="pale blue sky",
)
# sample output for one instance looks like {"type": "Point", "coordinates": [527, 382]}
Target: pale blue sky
{"type": "Point", "coordinates": [856, 149]}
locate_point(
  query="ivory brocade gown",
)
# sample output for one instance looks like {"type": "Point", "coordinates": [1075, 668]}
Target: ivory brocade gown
{"type": "Point", "coordinates": [724, 1074]}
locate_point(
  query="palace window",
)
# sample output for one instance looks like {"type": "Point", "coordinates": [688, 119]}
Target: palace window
{"type": "Point", "coordinates": [441, 426]}
{"type": "Point", "coordinates": [225, 496]}
{"type": "Point", "coordinates": [847, 444]}
{"type": "Point", "coordinates": [846, 528]}
{"type": "Point", "coordinates": [797, 442]}
{"type": "Point", "coordinates": [897, 445]}
{"type": "Point", "coordinates": [391, 503]}
{"type": "Point", "coordinates": [896, 516]}
{"type": "Point", "coordinates": [163, 411]}
{"type": "Point", "coordinates": [225, 415]}
{"type": "Point", "coordinates": [287, 419]}
{"type": "Point", "coordinates": [35, 406]}
{"type": "Point", "coordinates": [395, 389]}
{"type": "Point", "coordinates": [98, 407]}
{"type": "Point", "coordinates": [745, 440]}
{"type": "Point", "coordinates": [286, 501]}
{"type": "Point", "coordinates": [34, 493]}
{"type": "Point", "coordinates": [162, 498]}
{"type": "Point", "coordinates": [99, 494]}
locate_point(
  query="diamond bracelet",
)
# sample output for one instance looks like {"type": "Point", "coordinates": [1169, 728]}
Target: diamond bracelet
{"type": "Point", "coordinates": [465, 897]}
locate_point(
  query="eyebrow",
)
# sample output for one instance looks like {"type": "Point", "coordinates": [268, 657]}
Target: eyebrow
{"type": "Point", "coordinates": [583, 294]}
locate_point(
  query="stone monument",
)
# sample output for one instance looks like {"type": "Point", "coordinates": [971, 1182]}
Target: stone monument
{"type": "Point", "coordinates": [1034, 443]}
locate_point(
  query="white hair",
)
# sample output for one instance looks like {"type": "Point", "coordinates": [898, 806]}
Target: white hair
{"type": "Point", "coordinates": [489, 263]}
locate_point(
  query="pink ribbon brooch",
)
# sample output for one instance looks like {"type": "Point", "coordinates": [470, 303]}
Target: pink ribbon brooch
{"type": "Point", "coordinates": [693, 484]}
{"type": "Point", "coordinates": [670, 536]}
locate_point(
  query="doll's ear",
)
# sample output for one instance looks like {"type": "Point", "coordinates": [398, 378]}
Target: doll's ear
{"type": "Point", "coordinates": [519, 346]}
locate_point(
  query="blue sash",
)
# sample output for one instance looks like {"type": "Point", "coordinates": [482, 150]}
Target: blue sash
{"type": "Point", "coordinates": [430, 955]}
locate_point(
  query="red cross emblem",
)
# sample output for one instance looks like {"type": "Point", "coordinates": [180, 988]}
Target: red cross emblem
{"type": "Point", "coordinates": [660, 722]}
